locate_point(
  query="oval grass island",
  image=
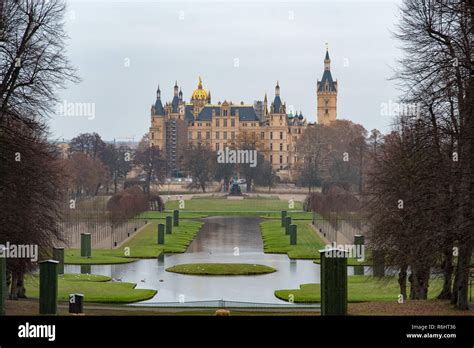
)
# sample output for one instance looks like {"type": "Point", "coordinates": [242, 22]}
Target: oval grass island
{"type": "Point", "coordinates": [221, 269]}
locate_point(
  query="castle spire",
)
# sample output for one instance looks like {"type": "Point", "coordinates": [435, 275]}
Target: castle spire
{"type": "Point", "coordinates": [176, 88]}
{"type": "Point", "coordinates": [327, 60]}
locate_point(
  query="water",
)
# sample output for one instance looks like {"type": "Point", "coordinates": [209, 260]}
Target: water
{"type": "Point", "coordinates": [221, 239]}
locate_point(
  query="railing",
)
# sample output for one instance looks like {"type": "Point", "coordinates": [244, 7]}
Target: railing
{"type": "Point", "coordinates": [230, 304]}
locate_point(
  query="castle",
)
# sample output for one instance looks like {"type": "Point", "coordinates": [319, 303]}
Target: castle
{"type": "Point", "coordinates": [218, 126]}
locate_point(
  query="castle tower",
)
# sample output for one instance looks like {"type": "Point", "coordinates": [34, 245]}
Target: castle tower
{"type": "Point", "coordinates": [326, 92]}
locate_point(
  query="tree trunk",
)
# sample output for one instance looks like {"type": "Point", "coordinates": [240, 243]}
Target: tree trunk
{"type": "Point", "coordinates": [402, 281]}
{"type": "Point", "coordinates": [13, 289]}
{"type": "Point", "coordinates": [21, 291]}
{"type": "Point", "coordinates": [379, 263]}
{"type": "Point", "coordinates": [447, 267]}
{"type": "Point", "coordinates": [461, 285]}
{"type": "Point", "coordinates": [419, 279]}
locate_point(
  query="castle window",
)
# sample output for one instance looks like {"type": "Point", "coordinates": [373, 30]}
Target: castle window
{"type": "Point", "coordinates": [271, 146]}
{"type": "Point", "coordinates": [225, 135]}
{"type": "Point", "coordinates": [199, 124]}
{"type": "Point", "coordinates": [217, 122]}
{"type": "Point", "coordinates": [281, 159]}
{"type": "Point", "coordinates": [224, 112]}
{"type": "Point", "coordinates": [208, 135]}
{"type": "Point", "coordinates": [199, 135]}
{"type": "Point", "coordinates": [271, 159]}
{"type": "Point", "coordinates": [271, 135]}
{"type": "Point", "coordinates": [262, 135]}
{"type": "Point", "coordinates": [281, 135]}
{"type": "Point", "coordinates": [232, 135]}
{"type": "Point", "coordinates": [217, 146]}
{"type": "Point", "coordinates": [208, 124]}
{"type": "Point", "coordinates": [225, 123]}
{"type": "Point", "coordinates": [280, 117]}
{"type": "Point", "coordinates": [232, 122]}
{"type": "Point", "coordinates": [281, 147]}
{"type": "Point", "coordinates": [326, 111]}
{"type": "Point", "coordinates": [217, 135]}
{"type": "Point", "coordinates": [152, 135]}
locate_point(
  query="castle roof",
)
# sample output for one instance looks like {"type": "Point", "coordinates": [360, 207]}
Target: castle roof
{"type": "Point", "coordinates": [276, 104]}
{"type": "Point", "coordinates": [246, 112]}
{"type": "Point", "coordinates": [174, 103]}
{"type": "Point", "coordinates": [159, 110]}
{"type": "Point", "coordinates": [327, 79]}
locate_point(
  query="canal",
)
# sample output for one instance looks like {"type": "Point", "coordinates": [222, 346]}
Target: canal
{"type": "Point", "coordinates": [221, 239]}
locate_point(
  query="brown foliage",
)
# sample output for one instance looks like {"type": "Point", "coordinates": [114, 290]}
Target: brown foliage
{"type": "Point", "coordinates": [127, 204]}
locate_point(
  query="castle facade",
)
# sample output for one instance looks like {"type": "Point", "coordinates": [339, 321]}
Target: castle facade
{"type": "Point", "coordinates": [220, 125]}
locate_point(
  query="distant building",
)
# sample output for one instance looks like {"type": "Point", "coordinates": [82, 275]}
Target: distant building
{"type": "Point", "coordinates": [64, 149]}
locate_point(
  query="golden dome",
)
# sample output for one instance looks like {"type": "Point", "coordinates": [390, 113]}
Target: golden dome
{"type": "Point", "coordinates": [199, 93]}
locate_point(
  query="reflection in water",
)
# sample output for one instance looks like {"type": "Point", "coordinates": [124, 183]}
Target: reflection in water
{"type": "Point", "coordinates": [221, 239]}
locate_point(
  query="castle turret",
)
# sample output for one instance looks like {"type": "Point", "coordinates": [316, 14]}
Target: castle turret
{"type": "Point", "coordinates": [326, 92]}
{"type": "Point", "coordinates": [277, 101]}
{"type": "Point", "coordinates": [175, 101]}
{"type": "Point", "coordinates": [158, 107]}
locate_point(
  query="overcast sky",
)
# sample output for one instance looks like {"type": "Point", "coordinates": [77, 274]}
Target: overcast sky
{"type": "Point", "coordinates": [124, 49]}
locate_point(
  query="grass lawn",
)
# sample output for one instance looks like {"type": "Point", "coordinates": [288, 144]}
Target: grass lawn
{"type": "Point", "coordinates": [221, 269]}
{"type": "Point", "coordinates": [164, 214]}
{"type": "Point", "coordinates": [276, 241]}
{"type": "Point", "coordinates": [222, 204]}
{"type": "Point", "coordinates": [265, 207]}
{"type": "Point", "coordinates": [99, 257]}
{"type": "Point", "coordinates": [361, 289]}
{"type": "Point", "coordinates": [144, 245]}
{"type": "Point", "coordinates": [96, 288]}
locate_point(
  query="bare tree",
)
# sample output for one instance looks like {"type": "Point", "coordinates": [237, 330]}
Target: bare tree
{"type": "Point", "coordinates": [436, 72]}
{"type": "Point", "coordinates": [153, 164]}
{"type": "Point", "coordinates": [33, 62]}
{"type": "Point", "coordinates": [200, 162]}
{"type": "Point", "coordinates": [33, 65]}
{"type": "Point", "coordinates": [89, 143]}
